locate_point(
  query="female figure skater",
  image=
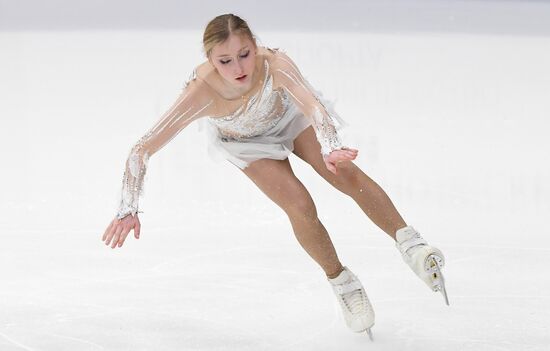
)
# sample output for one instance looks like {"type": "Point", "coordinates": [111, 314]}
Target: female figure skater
{"type": "Point", "coordinates": [262, 109]}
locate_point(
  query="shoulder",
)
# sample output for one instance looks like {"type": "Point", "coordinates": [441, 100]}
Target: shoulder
{"type": "Point", "coordinates": [197, 85]}
{"type": "Point", "coordinates": [209, 80]}
{"type": "Point", "coordinates": [205, 71]}
{"type": "Point", "coordinates": [278, 59]}
{"type": "Point", "coordinates": [198, 94]}
{"type": "Point", "coordinates": [282, 68]}
{"type": "Point", "coordinates": [199, 76]}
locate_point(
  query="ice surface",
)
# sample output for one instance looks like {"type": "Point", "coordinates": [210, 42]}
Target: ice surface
{"type": "Point", "coordinates": [453, 126]}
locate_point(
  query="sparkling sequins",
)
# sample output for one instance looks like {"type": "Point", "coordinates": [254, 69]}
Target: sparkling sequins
{"type": "Point", "coordinates": [266, 108]}
{"type": "Point", "coordinates": [255, 117]}
{"type": "Point", "coordinates": [262, 112]}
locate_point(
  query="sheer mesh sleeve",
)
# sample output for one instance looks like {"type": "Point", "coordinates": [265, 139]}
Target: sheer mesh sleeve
{"type": "Point", "coordinates": [325, 121]}
{"type": "Point", "coordinates": [193, 102]}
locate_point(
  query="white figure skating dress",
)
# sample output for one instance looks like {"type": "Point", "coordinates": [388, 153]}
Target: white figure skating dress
{"type": "Point", "coordinates": [263, 124]}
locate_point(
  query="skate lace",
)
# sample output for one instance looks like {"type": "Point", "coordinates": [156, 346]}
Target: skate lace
{"type": "Point", "coordinates": [355, 301]}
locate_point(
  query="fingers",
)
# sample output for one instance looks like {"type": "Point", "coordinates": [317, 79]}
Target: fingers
{"type": "Point", "coordinates": [108, 230]}
{"type": "Point", "coordinates": [350, 149]}
{"type": "Point", "coordinates": [122, 237]}
{"type": "Point", "coordinates": [116, 235]}
{"type": "Point", "coordinates": [346, 155]}
{"type": "Point", "coordinates": [137, 228]}
{"type": "Point", "coordinates": [342, 156]}
{"type": "Point", "coordinates": [337, 156]}
{"type": "Point", "coordinates": [350, 154]}
{"type": "Point", "coordinates": [331, 167]}
{"type": "Point", "coordinates": [118, 230]}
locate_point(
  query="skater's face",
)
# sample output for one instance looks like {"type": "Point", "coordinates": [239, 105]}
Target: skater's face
{"type": "Point", "coordinates": [235, 60]}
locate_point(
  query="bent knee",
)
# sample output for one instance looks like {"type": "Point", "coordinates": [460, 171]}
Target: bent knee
{"type": "Point", "coordinates": [348, 179]}
{"type": "Point", "coordinates": [301, 206]}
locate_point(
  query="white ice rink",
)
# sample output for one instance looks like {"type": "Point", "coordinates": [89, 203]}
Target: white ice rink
{"type": "Point", "coordinates": [453, 125]}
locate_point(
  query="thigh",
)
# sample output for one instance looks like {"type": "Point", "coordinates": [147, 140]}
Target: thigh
{"type": "Point", "coordinates": [276, 179]}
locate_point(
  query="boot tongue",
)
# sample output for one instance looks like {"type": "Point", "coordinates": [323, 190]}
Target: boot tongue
{"type": "Point", "coordinates": [342, 278]}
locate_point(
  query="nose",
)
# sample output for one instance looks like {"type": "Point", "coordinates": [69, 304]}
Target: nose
{"type": "Point", "coordinates": [239, 69]}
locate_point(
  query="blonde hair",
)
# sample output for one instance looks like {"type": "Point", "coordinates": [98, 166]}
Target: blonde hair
{"type": "Point", "coordinates": [220, 28]}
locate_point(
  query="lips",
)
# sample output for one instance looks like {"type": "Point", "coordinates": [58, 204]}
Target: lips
{"type": "Point", "coordinates": [241, 77]}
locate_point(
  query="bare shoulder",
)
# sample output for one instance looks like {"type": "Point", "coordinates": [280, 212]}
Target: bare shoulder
{"type": "Point", "coordinates": [200, 82]}
{"type": "Point", "coordinates": [279, 60]}
{"type": "Point", "coordinates": [205, 72]}
{"type": "Point", "coordinates": [272, 55]}
{"type": "Point", "coordinates": [282, 68]}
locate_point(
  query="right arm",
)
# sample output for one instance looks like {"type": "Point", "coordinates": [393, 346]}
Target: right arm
{"type": "Point", "coordinates": [193, 102]}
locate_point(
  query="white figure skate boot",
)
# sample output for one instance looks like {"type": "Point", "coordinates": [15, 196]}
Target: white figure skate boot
{"type": "Point", "coordinates": [353, 299]}
{"type": "Point", "coordinates": [425, 260]}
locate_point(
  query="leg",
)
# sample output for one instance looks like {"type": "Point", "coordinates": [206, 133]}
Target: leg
{"type": "Point", "coordinates": [425, 260]}
{"type": "Point", "coordinates": [351, 180]}
{"type": "Point", "coordinates": [277, 180]}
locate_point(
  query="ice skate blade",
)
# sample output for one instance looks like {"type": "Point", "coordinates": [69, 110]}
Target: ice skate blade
{"type": "Point", "coordinates": [444, 293]}
{"type": "Point", "coordinates": [369, 332]}
{"type": "Point", "coordinates": [440, 282]}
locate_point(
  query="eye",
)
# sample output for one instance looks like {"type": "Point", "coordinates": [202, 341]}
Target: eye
{"type": "Point", "coordinates": [224, 62]}
{"type": "Point", "coordinates": [245, 54]}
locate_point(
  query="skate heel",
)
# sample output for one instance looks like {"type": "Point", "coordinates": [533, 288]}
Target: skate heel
{"type": "Point", "coordinates": [437, 257]}
{"type": "Point", "coordinates": [433, 266]}
{"type": "Point", "coordinates": [425, 261]}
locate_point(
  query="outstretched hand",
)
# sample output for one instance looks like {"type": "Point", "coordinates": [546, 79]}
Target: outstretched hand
{"type": "Point", "coordinates": [337, 156]}
{"type": "Point", "coordinates": [118, 230]}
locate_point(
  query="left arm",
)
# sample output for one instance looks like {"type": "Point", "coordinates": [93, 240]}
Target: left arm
{"type": "Point", "coordinates": [287, 75]}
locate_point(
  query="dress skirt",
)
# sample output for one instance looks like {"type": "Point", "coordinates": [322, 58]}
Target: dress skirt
{"type": "Point", "coordinates": [276, 143]}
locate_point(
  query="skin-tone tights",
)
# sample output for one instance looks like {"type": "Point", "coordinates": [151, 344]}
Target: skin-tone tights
{"type": "Point", "coordinates": [277, 180]}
